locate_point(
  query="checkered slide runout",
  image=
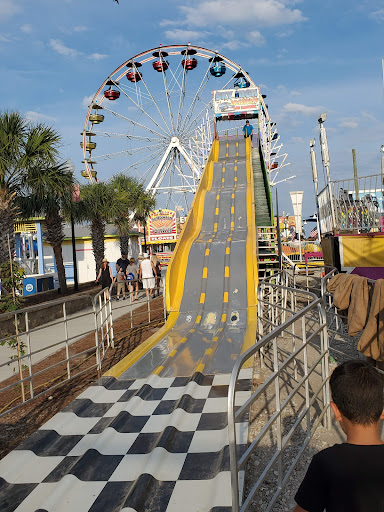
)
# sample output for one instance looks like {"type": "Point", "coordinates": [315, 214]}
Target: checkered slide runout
{"type": "Point", "coordinates": [158, 444]}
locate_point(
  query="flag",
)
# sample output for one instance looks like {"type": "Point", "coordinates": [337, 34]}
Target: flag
{"type": "Point", "coordinates": [293, 235]}
{"type": "Point", "coordinates": [313, 233]}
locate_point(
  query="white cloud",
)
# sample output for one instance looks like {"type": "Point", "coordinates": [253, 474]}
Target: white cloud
{"type": "Point", "coordinates": [256, 38]}
{"type": "Point", "coordinates": [7, 9]}
{"type": "Point", "coordinates": [377, 15]}
{"type": "Point", "coordinates": [182, 36]}
{"type": "Point", "coordinates": [4, 39]}
{"type": "Point", "coordinates": [295, 93]}
{"type": "Point", "coordinates": [87, 101]}
{"type": "Point", "coordinates": [235, 44]}
{"type": "Point", "coordinates": [97, 56]}
{"type": "Point", "coordinates": [169, 23]}
{"type": "Point", "coordinates": [26, 28]}
{"type": "Point", "coordinates": [298, 108]}
{"type": "Point", "coordinates": [37, 117]}
{"type": "Point", "coordinates": [367, 115]}
{"type": "Point", "coordinates": [297, 140]}
{"type": "Point", "coordinates": [257, 12]}
{"type": "Point", "coordinates": [286, 33]}
{"type": "Point", "coordinates": [60, 48]}
{"type": "Point", "coordinates": [80, 28]}
{"type": "Point", "coordinates": [348, 122]}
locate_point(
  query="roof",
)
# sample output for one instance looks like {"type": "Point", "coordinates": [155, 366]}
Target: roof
{"type": "Point", "coordinates": [83, 231]}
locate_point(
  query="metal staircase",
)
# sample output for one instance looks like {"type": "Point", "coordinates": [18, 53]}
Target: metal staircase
{"type": "Point", "coordinates": [267, 245]}
{"type": "Point", "coordinates": [262, 208]}
{"type": "Point", "coordinates": [267, 251]}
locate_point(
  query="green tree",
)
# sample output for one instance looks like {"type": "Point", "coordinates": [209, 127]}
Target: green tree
{"type": "Point", "coordinates": [144, 203]}
{"type": "Point", "coordinates": [47, 193]}
{"type": "Point", "coordinates": [99, 204]}
{"type": "Point", "coordinates": [136, 200]}
{"type": "Point", "coordinates": [25, 149]}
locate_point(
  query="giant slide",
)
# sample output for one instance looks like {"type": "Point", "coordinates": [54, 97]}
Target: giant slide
{"type": "Point", "coordinates": [151, 435]}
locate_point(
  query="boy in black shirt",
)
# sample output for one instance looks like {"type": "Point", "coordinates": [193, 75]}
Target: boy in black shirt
{"type": "Point", "coordinates": [349, 477]}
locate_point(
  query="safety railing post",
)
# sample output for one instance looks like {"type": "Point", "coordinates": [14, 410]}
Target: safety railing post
{"type": "Point", "coordinates": [324, 344]}
{"type": "Point", "coordinates": [130, 302]}
{"type": "Point", "coordinates": [97, 342]}
{"type": "Point", "coordinates": [149, 307]}
{"type": "Point", "coordinates": [110, 316]}
{"type": "Point", "coordinates": [101, 314]}
{"type": "Point", "coordinates": [66, 340]}
{"type": "Point", "coordinates": [19, 361]}
{"type": "Point", "coordinates": [278, 411]}
{"type": "Point", "coordinates": [164, 298]}
{"type": "Point", "coordinates": [306, 375]}
{"type": "Point", "coordinates": [29, 349]}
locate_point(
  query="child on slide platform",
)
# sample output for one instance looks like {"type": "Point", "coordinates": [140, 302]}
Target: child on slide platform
{"type": "Point", "coordinates": [349, 477]}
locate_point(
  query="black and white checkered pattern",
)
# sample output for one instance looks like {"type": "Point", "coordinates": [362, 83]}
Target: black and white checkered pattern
{"type": "Point", "coordinates": [156, 444]}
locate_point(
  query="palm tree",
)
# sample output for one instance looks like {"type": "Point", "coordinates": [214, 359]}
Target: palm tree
{"type": "Point", "coordinates": [99, 204]}
{"type": "Point", "coordinates": [132, 192]}
{"type": "Point", "coordinates": [24, 149]}
{"type": "Point", "coordinates": [144, 203]}
{"type": "Point", "coordinates": [46, 193]}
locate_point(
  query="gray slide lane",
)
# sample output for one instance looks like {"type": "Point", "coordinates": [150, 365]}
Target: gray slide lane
{"type": "Point", "coordinates": [212, 320]}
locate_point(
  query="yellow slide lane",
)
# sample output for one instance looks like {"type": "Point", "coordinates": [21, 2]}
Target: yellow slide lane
{"type": "Point", "coordinates": [177, 267]}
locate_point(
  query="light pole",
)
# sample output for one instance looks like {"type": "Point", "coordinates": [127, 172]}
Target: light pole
{"type": "Point", "coordinates": [315, 179]}
{"type": "Point", "coordinates": [325, 159]}
{"type": "Point", "coordinates": [75, 199]}
{"type": "Point", "coordinates": [382, 183]}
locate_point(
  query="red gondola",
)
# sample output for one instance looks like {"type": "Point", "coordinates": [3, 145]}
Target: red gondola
{"type": "Point", "coordinates": [134, 76]}
{"type": "Point", "coordinates": [189, 64]}
{"type": "Point", "coordinates": [111, 94]}
{"type": "Point", "coordinates": [160, 65]}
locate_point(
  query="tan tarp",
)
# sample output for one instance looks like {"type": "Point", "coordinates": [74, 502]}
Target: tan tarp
{"type": "Point", "coordinates": [351, 292]}
{"type": "Point", "coordinates": [371, 343]}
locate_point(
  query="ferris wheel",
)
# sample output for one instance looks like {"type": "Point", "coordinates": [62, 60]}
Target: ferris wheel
{"type": "Point", "coordinates": [152, 119]}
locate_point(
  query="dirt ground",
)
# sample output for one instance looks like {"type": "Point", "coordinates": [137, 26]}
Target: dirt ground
{"type": "Point", "coordinates": [18, 424]}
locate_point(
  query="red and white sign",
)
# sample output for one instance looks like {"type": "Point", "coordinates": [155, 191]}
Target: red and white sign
{"type": "Point", "coordinates": [162, 226]}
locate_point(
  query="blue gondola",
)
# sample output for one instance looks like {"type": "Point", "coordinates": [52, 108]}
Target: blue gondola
{"type": "Point", "coordinates": [218, 70]}
{"type": "Point", "coordinates": [242, 83]}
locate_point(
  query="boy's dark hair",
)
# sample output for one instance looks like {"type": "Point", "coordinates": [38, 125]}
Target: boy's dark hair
{"type": "Point", "coordinates": [358, 391]}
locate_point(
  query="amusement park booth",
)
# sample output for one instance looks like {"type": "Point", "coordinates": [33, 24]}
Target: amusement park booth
{"type": "Point", "coordinates": [30, 255]}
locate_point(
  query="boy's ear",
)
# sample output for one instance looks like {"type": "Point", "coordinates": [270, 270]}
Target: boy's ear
{"type": "Point", "coordinates": [382, 415]}
{"type": "Point", "coordinates": [337, 412]}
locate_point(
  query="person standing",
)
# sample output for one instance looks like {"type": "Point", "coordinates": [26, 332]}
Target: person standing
{"type": "Point", "coordinates": [147, 275]}
{"type": "Point", "coordinates": [120, 279]}
{"type": "Point", "coordinates": [248, 131]}
{"type": "Point", "coordinates": [132, 278]}
{"type": "Point", "coordinates": [105, 274]}
{"type": "Point", "coordinates": [155, 260]}
{"type": "Point", "coordinates": [121, 266]}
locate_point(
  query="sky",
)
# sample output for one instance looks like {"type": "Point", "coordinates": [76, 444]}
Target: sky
{"type": "Point", "coordinates": [307, 56]}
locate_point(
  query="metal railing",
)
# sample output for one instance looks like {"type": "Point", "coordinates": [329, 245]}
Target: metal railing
{"type": "Point", "coordinates": [292, 373]}
{"type": "Point", "coordinates": [357, 205]}
{"type": "Point", "coordinates": [131, 290]}
{"type": "Point", "coordinates": [34, 340]}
